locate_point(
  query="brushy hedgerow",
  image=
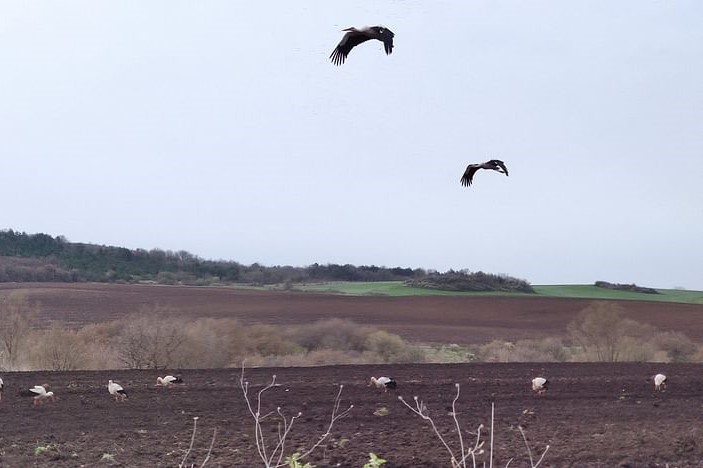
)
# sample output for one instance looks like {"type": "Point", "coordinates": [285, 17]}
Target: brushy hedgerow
{"type": "Point", "coordinates": [157, 339]}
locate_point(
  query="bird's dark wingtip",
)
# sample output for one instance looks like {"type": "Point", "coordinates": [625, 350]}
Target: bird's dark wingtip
{"type": "Point", "coordinates": [337, 57]}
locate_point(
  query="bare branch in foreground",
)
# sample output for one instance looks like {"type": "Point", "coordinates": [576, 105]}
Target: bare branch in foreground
{"type": "Point", "coordinates": [274, 458]}
{"type": "Point", "coordinates": [529, 452]}
{"type": "Point", "coordinates": [421, 410]}
{"type": "Point", "coordinates": [192, 441]}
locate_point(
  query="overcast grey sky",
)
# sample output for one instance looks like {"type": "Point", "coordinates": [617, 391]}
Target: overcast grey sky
{"type": "Point", "coordinates": [222, 128]}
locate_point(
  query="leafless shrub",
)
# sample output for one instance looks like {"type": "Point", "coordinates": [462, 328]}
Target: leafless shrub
{"type": "Point", "coordinates": [450, 353]}
{"type": "Point", "coordinates": [272, 453]}
{"type": "Point", "coordinates": [678, 347]}
{"type": "Point", "coordinates": [100, 343]}
{"type": "Point", "coordinates": [544, 350]}
{"type": "Point", "coordinates": [151, 339]}
{"type": "Point", "coordinates": [600, 330]}
{"type": "Point", "coordinates": [497, 351]}
{"type": "Point", "coordinates": [17, 316]}
{"type": "Point", "coordinates": [635, 349]}
{"type": "Point", "coordinates": [216, 343]}
{"type": "Point", "coordinates": [58, 349]}
{"type": "Point", "coordinates": [331, 334]}
{"type": "Point", "coordinates": [270, 340]}
{"type": "Point", "coordinates": [392, 348]}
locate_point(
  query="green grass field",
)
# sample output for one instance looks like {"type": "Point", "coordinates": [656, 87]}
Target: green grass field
{"type": "Point", "coordinates": [397, 288]}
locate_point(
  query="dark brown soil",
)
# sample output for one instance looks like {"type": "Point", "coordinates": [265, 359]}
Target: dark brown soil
{"type": "Point", "coordinates": [446, 319]}
{"type": "Point", "coordinates": [593, 415]}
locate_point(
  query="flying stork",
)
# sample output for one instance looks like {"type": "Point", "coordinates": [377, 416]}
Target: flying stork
{"type": "Point", "coordinates": [493, 164]}
{"type": "Point", "coordinates": [355, 36]}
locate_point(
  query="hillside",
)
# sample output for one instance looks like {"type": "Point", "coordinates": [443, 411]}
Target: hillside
{"type": "Point", "coordinates": [43, 258]}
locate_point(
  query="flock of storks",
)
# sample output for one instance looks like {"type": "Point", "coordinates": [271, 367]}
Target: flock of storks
{"type": "Point", "coordinates": [41, 394]}
{"type": "Point", "coordinates": [356, 36]}
{"type": "Point", "coordinates": [539, 384]}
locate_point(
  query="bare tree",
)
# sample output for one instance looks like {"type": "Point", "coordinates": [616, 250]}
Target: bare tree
{"type": "Point", "coordinates": [603, 331]}
{"type": "Point", "coordinates": [151, 339]}
{"type": "Point", "coordinates": [17, 316]}
{"type": "Point", "coordinates": [60, 349]}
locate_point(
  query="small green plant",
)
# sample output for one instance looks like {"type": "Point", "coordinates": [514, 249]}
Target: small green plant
{"type": "Point", "coordinates": [42, 449]}
{"type": "Point", "coordinates": [294, 462]}
{"type": "Point", "coordinates": [108, 458]}
{"type": "Point", "coordinates": [375, 461]}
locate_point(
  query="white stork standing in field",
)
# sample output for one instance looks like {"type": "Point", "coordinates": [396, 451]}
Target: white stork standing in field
{"type": "Point", "coordinates": [659, 382]}
{"type": "Point", "coordinates": [40, 394]}
{"type": "Point", "coordinates": [384, 382]}
{"type": "Point", "coordinates": [1, 388]}
{"type": "Point", "coordinates": [539, 385]}
{"type": "Point", "coordinates": [168, 380]}
{"type": "Point", "coordinates": [116, 390]}
{"type": "Point", "coordinates": [354, 37]}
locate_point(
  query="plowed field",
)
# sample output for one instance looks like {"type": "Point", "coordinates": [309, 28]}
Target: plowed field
{"type": "Point", "coordinates": [593, 415]}
{"type": "Point", "coordinates": [446, 319]}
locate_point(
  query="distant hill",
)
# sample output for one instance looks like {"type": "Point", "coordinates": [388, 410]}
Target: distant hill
{"type": "Point", "coordinates": [43, 258]}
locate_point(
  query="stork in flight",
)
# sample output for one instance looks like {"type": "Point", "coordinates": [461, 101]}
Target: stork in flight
{"type": "Point", "coordinates": [493, 164]}
{"type": "Point", "coordinates": [355, 36]}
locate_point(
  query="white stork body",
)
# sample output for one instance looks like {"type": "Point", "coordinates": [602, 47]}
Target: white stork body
{"type": "Point", "coordinates": [116, 391]}
{"type": "Point", "coordinates": [539, 385]}
{"type": "Point", "coordinates": [384, 382]}
{"type": "Point", "coordinates": [1, 387]}
{"type": "Point", "coordinates": [41, 395]}
{"type": "Point", "coordinates": [659, 382]}
{"type": "Point", "coordinates": [168, 380]}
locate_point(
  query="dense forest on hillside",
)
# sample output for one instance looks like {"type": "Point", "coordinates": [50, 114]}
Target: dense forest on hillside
{"type": "Point", "coordinates": [43, 258]}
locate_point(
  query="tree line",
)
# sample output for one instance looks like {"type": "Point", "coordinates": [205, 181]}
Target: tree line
{"type": "Point", "coordinates": [43, 258]}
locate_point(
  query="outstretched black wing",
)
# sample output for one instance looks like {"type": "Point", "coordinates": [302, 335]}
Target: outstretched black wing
{"type": "Point", "coordinates": [348, 42]}
{"type": "Point", "coordinates": [468, 176]}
